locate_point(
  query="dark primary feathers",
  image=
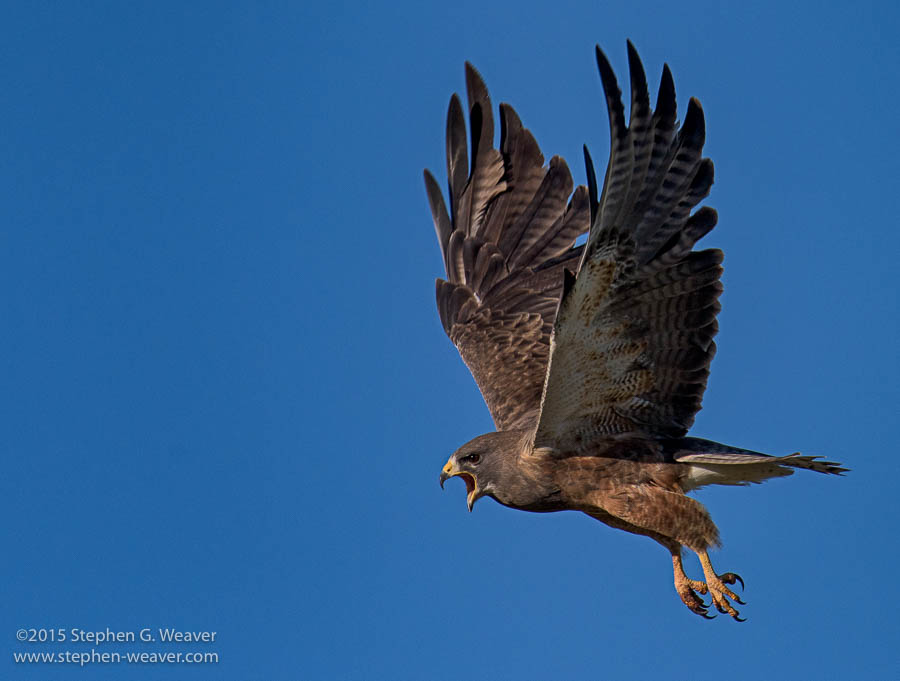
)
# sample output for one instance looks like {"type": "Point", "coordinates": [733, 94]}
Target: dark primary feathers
{"type": "Point", "coordinates": [633, 339]}
{"type": "Point", "coordinates": [505, 243]}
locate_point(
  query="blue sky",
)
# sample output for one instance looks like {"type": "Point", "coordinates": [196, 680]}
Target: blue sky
{"type": "Point", "coordinates": [228, 395]}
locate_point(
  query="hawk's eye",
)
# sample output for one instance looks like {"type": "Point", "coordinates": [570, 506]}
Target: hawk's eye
{"type": "Point", "coordinates": [472, 458]}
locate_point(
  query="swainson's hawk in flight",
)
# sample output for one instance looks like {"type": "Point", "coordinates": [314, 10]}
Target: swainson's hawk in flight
{"type": "Point", "coordinates": [592, 358]}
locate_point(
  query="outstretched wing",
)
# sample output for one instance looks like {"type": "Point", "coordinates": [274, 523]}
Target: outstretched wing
{"type": "Point", "coordinates": [505, 243]}
{"type": "Point", "coordinates": [633, 338]}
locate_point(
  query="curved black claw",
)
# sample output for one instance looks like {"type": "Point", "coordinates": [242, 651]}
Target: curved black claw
{"type": "Point", "coordinates": [707, 616]}
{"type": "Point", "coordinates": [694, 603]}
{"type": "Point", "coordinates": [698, 606]}
{"type": "Point", "coordinates": [740, 619]}
{"type": "Point", "coordinates": [732, 578]}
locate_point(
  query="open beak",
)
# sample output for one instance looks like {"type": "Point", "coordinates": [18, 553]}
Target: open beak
{"type": "Point", "coordinates": [450, 471]}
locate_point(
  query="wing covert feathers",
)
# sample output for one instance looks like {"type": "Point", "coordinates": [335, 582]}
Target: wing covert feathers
{"type": "Point", "coordinates": [505, 241]}
{"type": "Point", "coordinates": [633, 338]}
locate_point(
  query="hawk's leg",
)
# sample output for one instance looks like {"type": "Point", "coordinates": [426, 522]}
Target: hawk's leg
{"type": "Point", "coordinates": [673, 520]}
{"type": "Point", "coordinates": [717, 589]}
{"type": "Point", "coordinates": [688, 588]}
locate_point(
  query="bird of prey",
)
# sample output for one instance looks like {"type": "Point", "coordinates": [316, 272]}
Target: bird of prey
{"type": "Point", "coordinates": [592, 358]}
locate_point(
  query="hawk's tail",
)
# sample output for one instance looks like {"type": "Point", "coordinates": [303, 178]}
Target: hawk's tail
{"type": "Point", "coordinates": [712, 463]}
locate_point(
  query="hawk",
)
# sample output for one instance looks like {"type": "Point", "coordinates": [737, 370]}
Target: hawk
{"type": "Point", "coordinates": [593, 357]}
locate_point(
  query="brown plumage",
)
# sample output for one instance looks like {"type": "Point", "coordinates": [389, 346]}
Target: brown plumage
{"type": "Point", "coordinates": [592, 359]}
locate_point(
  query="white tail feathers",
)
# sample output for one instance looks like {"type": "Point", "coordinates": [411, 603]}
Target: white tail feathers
{"type": "Point", "coordinates": [727, 468]}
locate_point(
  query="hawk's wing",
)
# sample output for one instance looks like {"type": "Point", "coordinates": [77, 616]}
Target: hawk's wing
{"type": "Point", "coordinates": [633, 338]}
{"type": "Point", "coordinates": [505, 243]}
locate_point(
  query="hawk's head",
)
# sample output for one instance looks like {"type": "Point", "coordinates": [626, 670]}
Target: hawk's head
{"type": "Point", "coordinates": [487, 465]}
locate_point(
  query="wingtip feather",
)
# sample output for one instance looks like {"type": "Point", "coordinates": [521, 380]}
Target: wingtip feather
{"type": "Point", "coordinates": [609, 82]}
{"type": "Point", "coordinates": [694, 127]}
{"type": "Point", "coordinates": [457, 152]}
{"type": "Point", "coordinates": [639, 92]}
{"type": "Point", "coordinates": [665, 98]}
{"type": "Point", "coordinates": [592, 182]}
{"type": "Point", "coordinates": [480, 115]}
